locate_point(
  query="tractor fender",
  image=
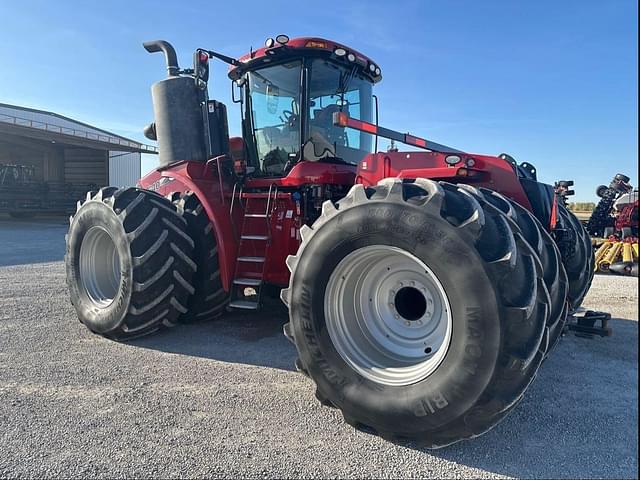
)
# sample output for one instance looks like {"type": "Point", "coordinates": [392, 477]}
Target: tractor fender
{"type": "Point", "coordinates": [187, 177]}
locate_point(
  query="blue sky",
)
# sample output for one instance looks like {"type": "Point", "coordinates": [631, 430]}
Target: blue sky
{"type": "Point", "coordinates": [552, 83]}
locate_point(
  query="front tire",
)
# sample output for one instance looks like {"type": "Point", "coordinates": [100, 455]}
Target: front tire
{"type": "Point", "coordinates": [487, 347]}
{"type": "Point", "coordinates": [128, 263]}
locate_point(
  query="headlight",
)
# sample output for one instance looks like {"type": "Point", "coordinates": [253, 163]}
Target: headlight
{"type": "Point", "coordinates": [452, 159]}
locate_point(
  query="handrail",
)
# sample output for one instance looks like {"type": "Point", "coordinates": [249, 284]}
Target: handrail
{"type": "Point", "coordinates": [218, 161]}
{"type": "Point", "coordinates": [233, 199]}
{"type": "Point", "coordinates": [267, 212]}
{"type": "Point", "coordinates": [72, 132]}
{"type": "Point", "coordinates": [273, 192]}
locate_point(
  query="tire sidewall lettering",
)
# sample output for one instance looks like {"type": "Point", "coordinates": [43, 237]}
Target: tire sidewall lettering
{"type": "Point", "coordinates": [100, 320]}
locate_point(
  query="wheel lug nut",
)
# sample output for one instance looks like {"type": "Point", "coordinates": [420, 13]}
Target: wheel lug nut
{"type": "Point", "coordinates": [407, 323]}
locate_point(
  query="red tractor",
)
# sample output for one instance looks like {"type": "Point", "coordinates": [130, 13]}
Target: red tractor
{"type": "Point", "coordinates": [424, 288]}
{"type": "Point", "coordinates": [617, 211]}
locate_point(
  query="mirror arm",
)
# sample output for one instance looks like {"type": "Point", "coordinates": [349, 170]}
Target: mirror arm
{"type": "Point", "coordinates": [224, 58]}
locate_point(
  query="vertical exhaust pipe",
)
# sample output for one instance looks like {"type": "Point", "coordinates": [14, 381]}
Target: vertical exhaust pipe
{"type": "Point", "coordinates": [169, 54]}
{"type": "Point", "coordinates": [177, 106]}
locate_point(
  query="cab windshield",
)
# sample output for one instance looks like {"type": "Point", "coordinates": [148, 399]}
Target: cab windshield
{"type": "Point", "coordinates": [274, 100]}
{"type": "Point", "coordinates": [274, 103]}
{"type": "Point", "coordinates": [332, 89]}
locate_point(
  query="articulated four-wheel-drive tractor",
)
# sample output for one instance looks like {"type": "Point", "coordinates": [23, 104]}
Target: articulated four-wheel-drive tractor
{"type": "Point", "coordinates": [424, 288]}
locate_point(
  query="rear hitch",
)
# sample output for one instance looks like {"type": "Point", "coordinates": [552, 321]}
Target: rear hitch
{"type": "Point", "coordinates": [583, 323]}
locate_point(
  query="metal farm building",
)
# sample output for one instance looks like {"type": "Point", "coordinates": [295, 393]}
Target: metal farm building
{"type": "Point", "coordinates": [48, 161]}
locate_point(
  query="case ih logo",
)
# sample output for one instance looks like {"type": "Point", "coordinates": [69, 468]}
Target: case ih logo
{"type": "Point", "coordinates": [159, 183]}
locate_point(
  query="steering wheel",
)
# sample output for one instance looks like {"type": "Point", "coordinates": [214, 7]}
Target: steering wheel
{"type": "Point", "coordinates": [286, 114]}
{"type": "Point", "coordinates": [289, 118]}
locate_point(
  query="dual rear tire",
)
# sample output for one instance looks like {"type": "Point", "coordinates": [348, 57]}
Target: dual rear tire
{"type": "Point", "coordinates": [137, 262]}
{"type": "Point", "coordinates": [577, 254]}
{"type": "Point", "coordinates": [209, 299]}
{"type": "Point", "coordinates": [476, 284]}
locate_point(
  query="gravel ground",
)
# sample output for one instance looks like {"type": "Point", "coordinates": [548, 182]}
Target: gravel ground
{"type": "Point", "coordinates": [29, 241]}
{"type": "Point", "coordinates": [222, 399]}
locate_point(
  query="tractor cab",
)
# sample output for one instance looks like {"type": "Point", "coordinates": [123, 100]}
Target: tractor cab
{"type": "Point", "coordinates": [290, 91]}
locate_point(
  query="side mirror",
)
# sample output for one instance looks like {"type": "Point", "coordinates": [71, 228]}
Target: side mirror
{"type": "Point", "coordinates": [201, 68]}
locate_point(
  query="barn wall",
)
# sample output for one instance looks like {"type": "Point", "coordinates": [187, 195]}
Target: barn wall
{"type": "Point", "coordinates": [12, 154]}
{"type": "Point", "coordinates": [83, 166]}
{"type": "Point", "coordinates": [124, 169]}
{"type": "Point", "coordinates": [53, 165]}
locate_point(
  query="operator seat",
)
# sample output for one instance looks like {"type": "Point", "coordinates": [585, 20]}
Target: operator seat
{"type": "Point", "coordinates": [269, 135]}
{"type": "Point", "coordinates": [317, 147]}
{"type": "Point", "coordinates": [237, 152]}
{"type": "Point", "coordinates": [321, 128]}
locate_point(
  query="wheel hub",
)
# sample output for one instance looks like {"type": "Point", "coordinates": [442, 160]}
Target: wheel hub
{"type": "Point", "coordinates": [410, 303]}
{"type": "Point", "coordinates": [388, 315]}
{"type": "Point", "coordinates": [99, 265]}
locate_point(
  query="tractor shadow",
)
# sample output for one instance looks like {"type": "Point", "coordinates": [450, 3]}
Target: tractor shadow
{"type": "Point", "coordinates": [578, 419]}
{"type": "Point", "coordinates": [251, 338]}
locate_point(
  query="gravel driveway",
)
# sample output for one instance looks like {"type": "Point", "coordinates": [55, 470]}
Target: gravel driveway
{"type": "Point", "coordinates": [222, 399]}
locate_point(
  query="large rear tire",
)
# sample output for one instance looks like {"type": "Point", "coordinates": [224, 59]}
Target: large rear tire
{"type": "Point", "coordinates": [577, 255]}
{"type": "Point", "coordinates": [553, 272]}
{"type": "Point", "coordinates": [209, 298]}
{"type": "Point", "coordinates": [128, 263]}
{"type": "Point", "coordinates": [441, 359]}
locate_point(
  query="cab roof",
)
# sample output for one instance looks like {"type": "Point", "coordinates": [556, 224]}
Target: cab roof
{"type": "Point", "coordinates": [305, 46]}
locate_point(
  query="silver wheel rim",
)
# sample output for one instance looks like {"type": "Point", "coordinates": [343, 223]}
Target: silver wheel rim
{"type": "Point", "coordinates": [99, 267]}
{"type": "Point", "coordinates": [388, 315]}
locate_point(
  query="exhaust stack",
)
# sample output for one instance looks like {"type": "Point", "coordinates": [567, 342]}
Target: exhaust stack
{"type": "Point", "coordinates": [177, 108]}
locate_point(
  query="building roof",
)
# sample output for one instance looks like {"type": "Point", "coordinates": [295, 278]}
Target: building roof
{"type": "Point", "coordinates": [45, 125]}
